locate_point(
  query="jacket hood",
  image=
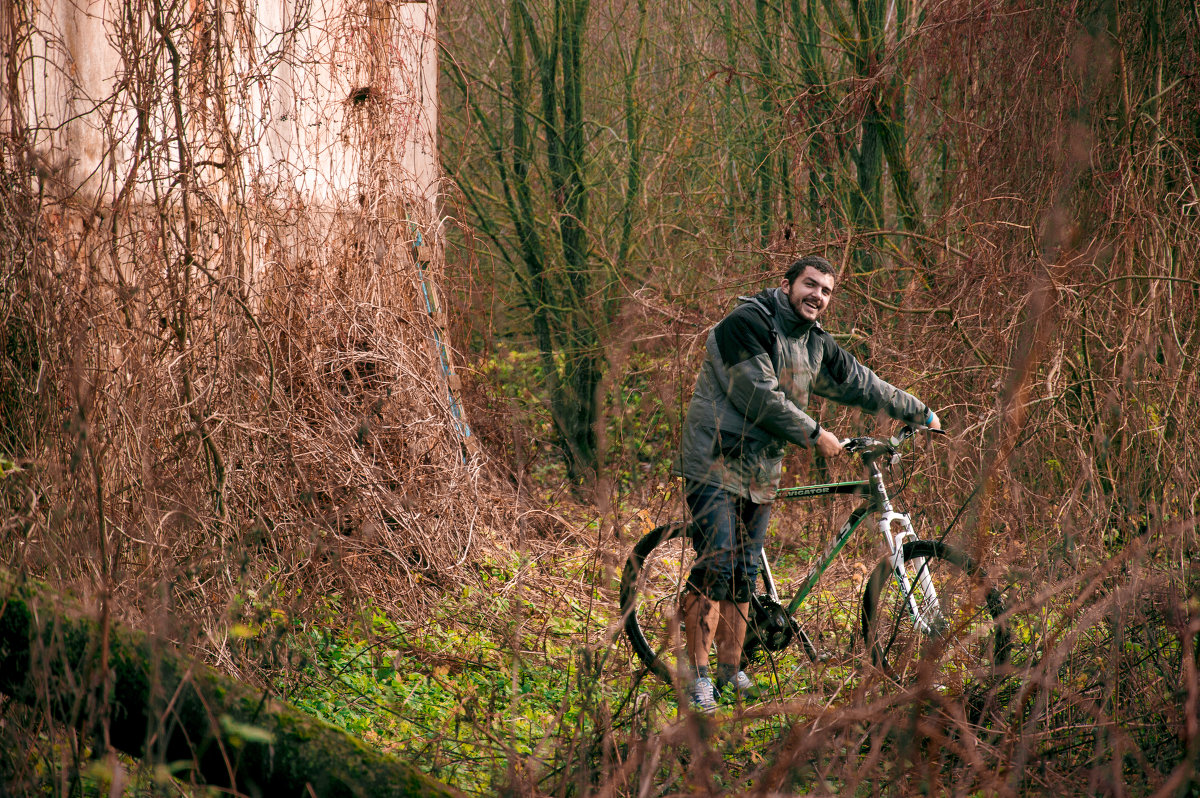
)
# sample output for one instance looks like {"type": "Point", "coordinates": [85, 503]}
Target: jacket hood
{"type": "Point", "coordinates": [776, 303]}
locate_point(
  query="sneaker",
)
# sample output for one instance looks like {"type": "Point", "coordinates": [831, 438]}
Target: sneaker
{"type": "Point", "coordinates": [741, 685]}
{"type": "Point", "coordinates": [701, 694]}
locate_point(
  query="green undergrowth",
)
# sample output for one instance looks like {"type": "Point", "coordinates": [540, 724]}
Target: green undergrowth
{"type": "Point", "coordinates": [519, 679]}
{"type": "Point", "coordinates": [516, 682]}
{"type": "Point", "coordinates": [488, 683]}
{"type": "Point", "coordinates": [639, 429]}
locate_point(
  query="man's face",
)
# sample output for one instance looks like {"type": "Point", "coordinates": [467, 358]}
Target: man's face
{"type": "Point", "coordinates": [810, 293]}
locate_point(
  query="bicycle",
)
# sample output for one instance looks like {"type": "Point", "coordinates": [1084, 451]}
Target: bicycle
{"type": "Point", "coordinates": [925, 602]}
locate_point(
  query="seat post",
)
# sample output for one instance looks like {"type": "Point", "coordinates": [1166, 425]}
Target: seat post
{"type": "Point", "coordinates": [768, 577]}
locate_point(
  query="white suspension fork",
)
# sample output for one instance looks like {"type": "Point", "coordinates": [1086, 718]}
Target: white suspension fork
{"type": "Point", "coordinates": [897, 529]}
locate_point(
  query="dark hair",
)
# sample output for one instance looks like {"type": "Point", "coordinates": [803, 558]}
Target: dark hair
{"type": "Point", "coordinates": [814, 261]}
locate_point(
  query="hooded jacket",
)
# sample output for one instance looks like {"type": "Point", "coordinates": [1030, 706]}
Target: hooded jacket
{"type": "Point", "coordinates": [762, 363]}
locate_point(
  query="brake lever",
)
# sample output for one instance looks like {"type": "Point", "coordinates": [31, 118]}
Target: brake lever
{"type": "Point", "coordinates": [904, 433]}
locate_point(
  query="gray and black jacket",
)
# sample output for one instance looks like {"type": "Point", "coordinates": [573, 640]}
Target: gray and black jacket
{"type": "Point", "coordinates": [763, 363]}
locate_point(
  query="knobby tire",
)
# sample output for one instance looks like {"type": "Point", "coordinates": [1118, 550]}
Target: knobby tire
{"type": "Point", "coordinates": [973, 636]}
{"type": "Point", "coordinates": [636, 601]}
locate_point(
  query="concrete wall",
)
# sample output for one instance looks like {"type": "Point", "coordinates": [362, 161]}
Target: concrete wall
{"type": "Point", "coordinates": [310, 99]}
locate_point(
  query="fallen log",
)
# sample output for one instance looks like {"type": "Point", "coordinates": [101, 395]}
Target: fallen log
{"type": "Point", "coordinates": [160, 705]}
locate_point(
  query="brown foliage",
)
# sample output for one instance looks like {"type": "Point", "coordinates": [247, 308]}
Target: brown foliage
{"type": "Point", "coordinates": [1046, 304]}
{"type": "Point", "coordinates": [222, 396]}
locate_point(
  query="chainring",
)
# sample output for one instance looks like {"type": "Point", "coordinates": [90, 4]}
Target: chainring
{"type": "Point", "coordinates": [770, 628]}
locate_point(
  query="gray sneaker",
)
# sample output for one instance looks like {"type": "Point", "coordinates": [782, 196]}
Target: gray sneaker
{"type": "Point", "coordinates": [701, 694]}
{"type": "Point", "coordinates": [741, 685]}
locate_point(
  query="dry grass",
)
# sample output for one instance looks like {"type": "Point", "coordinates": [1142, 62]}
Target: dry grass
{"type": "Point", "coordinates": [219, 403]}
{"type": "Point", "coordinates": [221, 397]}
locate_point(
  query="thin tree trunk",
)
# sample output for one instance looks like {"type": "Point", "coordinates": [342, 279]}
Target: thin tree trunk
{"type": "Point", "coordinates": [764, 158]}
{"type": "Point", "coordinates": [866, 203]}
{"type": "Point", "coordinates": [807, 31]}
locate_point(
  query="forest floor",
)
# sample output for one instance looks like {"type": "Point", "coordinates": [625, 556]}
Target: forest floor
{"type": "Point", "coordinates": [521, 679]}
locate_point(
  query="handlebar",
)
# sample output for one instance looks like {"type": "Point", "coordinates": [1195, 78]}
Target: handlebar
{"type": "Point", "coordinates": [872, 447]}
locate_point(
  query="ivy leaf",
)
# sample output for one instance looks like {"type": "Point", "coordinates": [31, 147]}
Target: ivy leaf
{"type": "Point", "coordinates": [7, 467]}
{"type": "Point", "coordinates": [244, 732]}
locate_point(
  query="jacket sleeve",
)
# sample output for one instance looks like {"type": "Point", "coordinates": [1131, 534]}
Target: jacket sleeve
{"type": "Point", "coordinates": [846, 381]}
{"type": "Point", "coordinates": [744, 347]}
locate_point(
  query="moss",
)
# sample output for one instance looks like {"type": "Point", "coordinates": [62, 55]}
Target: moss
{"type": "Point", "coordinates": [262, 747]}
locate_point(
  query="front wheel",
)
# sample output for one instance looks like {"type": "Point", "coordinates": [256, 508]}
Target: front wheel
{"type": "Point", "coordinates": [946, 625]}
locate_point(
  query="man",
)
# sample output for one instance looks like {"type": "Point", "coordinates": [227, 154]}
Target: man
{"type": "Point", "coordinates": [763, 362]}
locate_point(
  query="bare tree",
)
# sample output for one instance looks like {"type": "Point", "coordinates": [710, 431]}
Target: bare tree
{"type": "Point", "coordinates": [532, 190]}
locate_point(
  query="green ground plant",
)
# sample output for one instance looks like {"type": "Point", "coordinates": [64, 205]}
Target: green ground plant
{"type": "Point", "coordinates": [640, 430]}
{"type": "Point", "coordinates": [223, 420]}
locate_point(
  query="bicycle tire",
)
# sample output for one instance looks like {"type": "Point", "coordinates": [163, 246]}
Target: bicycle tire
{"type": "Point", "coordinates": [651, 581]}
{"type": "Point", "coordinates": [969, 638]}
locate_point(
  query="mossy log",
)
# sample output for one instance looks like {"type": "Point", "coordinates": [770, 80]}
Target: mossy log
{"type": "Point", "coordinates": [162, 706]}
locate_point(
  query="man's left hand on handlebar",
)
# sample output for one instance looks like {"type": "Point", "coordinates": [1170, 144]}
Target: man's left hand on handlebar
{"type": "Point", "coordinates": [933, 422]}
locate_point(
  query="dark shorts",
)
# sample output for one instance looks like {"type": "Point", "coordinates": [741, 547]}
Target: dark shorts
{"type": "Point", "coordinates": [727, 533]}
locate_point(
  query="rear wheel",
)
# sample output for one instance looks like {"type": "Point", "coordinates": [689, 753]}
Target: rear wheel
{"type": "Point", "coordinates": [653, 579]}
{"type": "Point", "coordinates": [956, 633]}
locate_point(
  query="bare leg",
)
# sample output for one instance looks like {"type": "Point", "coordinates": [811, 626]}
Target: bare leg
{"type": "Point", "coordinates": [700, 616]}
{"type": "Point", "coordinates": [731, 634]}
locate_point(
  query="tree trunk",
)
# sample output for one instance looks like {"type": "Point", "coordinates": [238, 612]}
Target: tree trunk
{"type": "Point", "coordinates": [162, 706]}
{"type": "Point", "coordinates": [866, 203]}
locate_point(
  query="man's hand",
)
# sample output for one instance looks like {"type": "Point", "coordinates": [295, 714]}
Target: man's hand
{"type": "Point", "coordinates": [936, 423]}
{"type": "Point", "coordinates": [828, 445]}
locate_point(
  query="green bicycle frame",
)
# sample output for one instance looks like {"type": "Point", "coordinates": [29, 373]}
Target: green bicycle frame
{"type": "Point", "coordinates": [834, 547]}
